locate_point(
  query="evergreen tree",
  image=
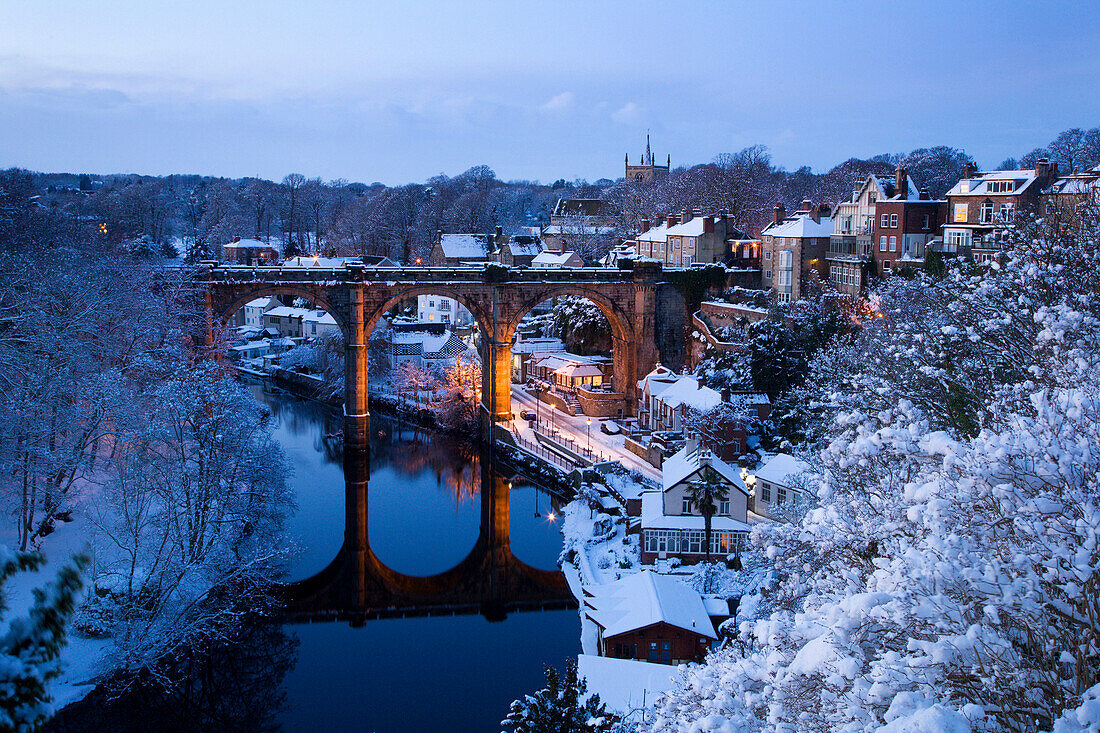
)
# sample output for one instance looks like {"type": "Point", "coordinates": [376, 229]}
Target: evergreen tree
{"type": "Point", "coordinates": [703, 493]}
{"type": "Point", "coordinates": [563, 706]}
{"type": "Point", "coordinates": [32, 644]}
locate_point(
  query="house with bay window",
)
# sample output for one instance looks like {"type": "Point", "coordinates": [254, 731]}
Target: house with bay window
{"type": "Point", "coordinates": [982, 207]}
{"type": "Point", "coordinates": [794, 249]}
{"type": "Point", "coordinates": [672, 525]}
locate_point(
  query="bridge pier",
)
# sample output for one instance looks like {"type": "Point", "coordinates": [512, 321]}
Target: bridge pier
{"type": "Point", "coordinates": [496, 383]}
{"type": "Point", "coordinates": [356, 411]}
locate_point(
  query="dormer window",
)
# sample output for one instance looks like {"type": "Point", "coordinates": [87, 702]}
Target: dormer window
{"type": "Point", "coordinates": [1001, 186]}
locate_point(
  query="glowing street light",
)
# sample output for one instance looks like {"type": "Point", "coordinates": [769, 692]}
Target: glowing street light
{"type": "Point", "coordinates": [551, 516]}
{"type": "Point", "coordinates": [589, 435]}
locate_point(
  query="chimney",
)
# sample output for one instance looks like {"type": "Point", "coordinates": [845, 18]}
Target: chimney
{"type": "Point", "coordinates": [823, 211]}
{"type": "Point", "coordinates": [645, 226]}
{"type": "Point", "coordinates": [780, 213]}
{"type": "Point", "coordinates": [807, 205]}
{"type": "Point", "coordinates": [671, 221]}
{"type": "Point", "coordinates": [858, 188]}
{"type": "Point", "coordinates": [499, 232]}
{"type": "Point", "coordinates": [968, 170]}
{"type": "Point", "coordinates": [901, 183]}
{"type": "Point", "coordinates": [236, 239]}
{"type": "Point", "coordinates": [708, 224]}
{"type": "Point", "coordinates": [687, 216]}
{"type": "Point", "coordinates": [924, 195]}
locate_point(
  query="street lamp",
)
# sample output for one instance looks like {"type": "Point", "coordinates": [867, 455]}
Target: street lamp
{"type": "Point", "coordinates": [553, 411]}
{"type": "Point", "coordinates": [589, 436]}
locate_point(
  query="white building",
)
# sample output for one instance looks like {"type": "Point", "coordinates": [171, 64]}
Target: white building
{"type": "Point", "coordinates": [317, 323]}
{"type": "Point", "coordinates": [557, 259]}
{"type": "Point", "coordinates": [254, 311]}
{"type": "Point", "coordinates": [673, 526]}
{"type": "Point", "coordinates": [780, 482]}
{"type": "Point", "coordinates": [437, 309]}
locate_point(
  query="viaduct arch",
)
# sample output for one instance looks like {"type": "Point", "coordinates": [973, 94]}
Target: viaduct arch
{"type": "Point", "coordinates": [357, 296]}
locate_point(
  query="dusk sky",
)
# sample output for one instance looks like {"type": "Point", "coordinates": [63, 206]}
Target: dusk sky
{"type": "Point", "coordinates": [400, 91]}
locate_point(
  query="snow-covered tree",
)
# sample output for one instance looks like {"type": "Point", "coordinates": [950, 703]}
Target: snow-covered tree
{"type": "Point", "coordinates": [581, 325]}
{"type": "Point", "coordinates": [950, 577]}
{"type": "Point", "coordinates": [30, 648]}
{"type": "Point", "coordinates": [563, 706]}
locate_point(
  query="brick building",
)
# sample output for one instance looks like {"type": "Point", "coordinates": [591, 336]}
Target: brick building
{"type": "Point", "coordinates": [982, 207]}
{"type": "Point", "coordinates": [692, 238]}
{"type": "Point", "coordinates": [649, 617]}
{"type": "Point", "coordinates": [794, 249]}
{"type": "Point", "coordinates": [904, 223]}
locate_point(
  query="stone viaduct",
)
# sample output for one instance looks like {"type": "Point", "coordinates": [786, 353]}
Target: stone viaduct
{"type": "Point", "coordinates": [648, 314]}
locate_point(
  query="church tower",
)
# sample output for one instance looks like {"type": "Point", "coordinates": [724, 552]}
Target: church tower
{"type": "Point", "coordinates": [646, 171]}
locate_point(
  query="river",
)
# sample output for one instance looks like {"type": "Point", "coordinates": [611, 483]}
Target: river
{"type": "Point", "coordinates": [432, 673]}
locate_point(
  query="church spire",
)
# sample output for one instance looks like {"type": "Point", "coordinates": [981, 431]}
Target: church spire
{"type": "Point", "coordinates": [648, 152]}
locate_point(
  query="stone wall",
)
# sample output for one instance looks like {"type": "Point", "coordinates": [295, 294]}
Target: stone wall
{"type": "Point", "coordinates": [603, 404]}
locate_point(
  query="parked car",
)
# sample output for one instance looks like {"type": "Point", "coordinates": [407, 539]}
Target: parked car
{"type": "Point", "coordinates": [609, 427]}
{"type": "Point", "coordinates": [527, 414]}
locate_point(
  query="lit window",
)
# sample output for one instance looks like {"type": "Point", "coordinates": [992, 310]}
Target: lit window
{"type": "Point", "coordinates": [960, 212]}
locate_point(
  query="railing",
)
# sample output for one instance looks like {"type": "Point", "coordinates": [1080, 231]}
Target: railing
{"type": "Point", "coordinates": [231, 273]}
{"type": "Point", "coordinates": [571, 444]}
{"type": "Point", "coordinates": [540, 451]}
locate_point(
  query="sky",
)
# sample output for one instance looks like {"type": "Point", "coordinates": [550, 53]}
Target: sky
{"type": "Point", "coordinates": [400, 91]}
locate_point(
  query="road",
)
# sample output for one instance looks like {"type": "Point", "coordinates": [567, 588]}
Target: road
{"type": "Point", "coordinates": [576, 427]}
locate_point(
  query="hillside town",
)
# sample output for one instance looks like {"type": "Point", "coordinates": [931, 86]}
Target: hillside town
{"type": "Point", "coordinates": [591, 368]}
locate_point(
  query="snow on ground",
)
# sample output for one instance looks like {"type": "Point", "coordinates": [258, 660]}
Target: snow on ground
{"type": "Point", "coordinates": [80, 658]}
{"type": "Point", "coordinates": [625, 685]}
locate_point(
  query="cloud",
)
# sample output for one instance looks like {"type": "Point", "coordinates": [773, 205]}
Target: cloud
{"type": "Point", "coordinates": [560, 103]}
{"type": "Point", "coordinates": [629, 114]}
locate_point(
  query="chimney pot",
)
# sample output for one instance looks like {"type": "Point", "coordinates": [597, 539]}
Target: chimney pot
{"type": "Point", "coordinates": [686, 216]}
{"type": "Point", "coordinates": [671, 221]}
{"type": "Point", "coordinates": [708, 224]}
{"type": "Point", "coordinates": [645, 226]}
{"type": "Point", "coordinates": [968, 170]}
{"type": "Point", "coordinates": [901, 183]}
{"type": "Point", "coordinates": [780, 213]}
{"type": "Point", "coordinates": [500, 231]}
{"type": "Point", "coordinates": [807, 205]}
{"type": "Point", "coordinates": [924, 195]}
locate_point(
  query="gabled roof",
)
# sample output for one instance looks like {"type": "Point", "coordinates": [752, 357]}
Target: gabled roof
{"type": "Point", "coordinates": [978, 184]}
{"type": "Point", "coordinates": [688, 392]}
{"type": "Point", "coordinates": [782, 469]}
{"type": "Point", "coordinates": [644, 599]}
{"type": "Point", "coordinates": [658, 380]}
{"type": "Point", "coordinates": [555, 259]}
{"type": "Point", "coordinates": [260, 303]}
{"type": "Point", "coordinates": [465, 245]}
{"type": "Point", "coordinates": [690, 460]}
{"type": "Point", "coordinates": [800, 225]}
{"type": "Point", "coordinates": [654, 234]}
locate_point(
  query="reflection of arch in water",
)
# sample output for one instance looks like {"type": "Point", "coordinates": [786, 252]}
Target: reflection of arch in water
{"type": "Point", "coordinates": [357, 586]}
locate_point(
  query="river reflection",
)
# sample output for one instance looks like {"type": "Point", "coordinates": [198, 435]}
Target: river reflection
{"type": "Point", "coordinates": [433, 508]}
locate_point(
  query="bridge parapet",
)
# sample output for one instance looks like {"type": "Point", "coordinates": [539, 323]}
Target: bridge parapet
{"type": "Point", "coordinates": [360, 273]}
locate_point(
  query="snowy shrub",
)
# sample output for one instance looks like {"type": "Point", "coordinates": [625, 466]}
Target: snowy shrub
{"type": "Point", "coordinates": [604, 562]}
{"type": "Point", "coordinates": [950, 577]}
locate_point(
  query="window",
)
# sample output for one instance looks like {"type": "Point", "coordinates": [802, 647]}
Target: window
{"type": "Point", "coordinates": [445, 317]}
{"type": "Point", "coordinates": [685, 505]}
{"type": "Point", "coordinates": [987, 212]}
{"type": "Point", "coordinates": [662, 540]}
{"type": "Point", "coordinates": [784, 297]}
{"type": "Point", "coordinates": [765, 491]}
{"type": "Point", "coordinates": [893, 221]}
{"type": "Point", "coordinates": [652, 651]}
{"type": "Point", "coordinates": [886, 267]}
{"type": "Point", "coordinates": [884, 221]}
{"type": "Point", "coordinates": [927, 222]}
{"type": "Point", "coordinates": [724, 507]}
{"type": "Point", "coordinates": [785, 259]}
{"type": "Point", "coordinates": [1001, 186]}
{"type": "Point", "coordinates": [893, 244]}
{"type": "Point", "coordinates": [960, 212]}
{"type": "Point", "coordinates": [1006, 212]}
{"type": "Point", "coordinates": [768, 255]}
{"type": "Point", "coordinates": [882, 243]}
{"type": "Point", "coordinates": [691, 541]}
{"type": "Point", "coordinates": [444, 305]}
{"type": "Point", "coordinates": [781, 491]}
{"type": "Point", "coordinates": [767, 274]}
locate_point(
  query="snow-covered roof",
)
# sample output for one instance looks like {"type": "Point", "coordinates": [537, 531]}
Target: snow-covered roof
{"type": "Point", "coordinates": [1078, 183]}
{"type": "Point", "coordinates": [465, 245]}
{"type": "Point", "coordinates": [554, 259]}
{"type": "Point", "coordinates": [579, 370]}
{"type": "Point", "coordinates": [643, 599]}
{"type": "Point", "coordinates": [688, 460]}
{"type": "Point", "coordinates": [656, 234]}
{"type": "Point", "coordinates": [525, 248]}
{"type": "Point", "coordinates": [691, 228]}
{"type": "Point", "coordinates": [979, 183]}
{"type": "Point", "coordinates": [555, 360]}
{"type": "Point", "coordinates": [625, 684]}
{"type": "Point", "coordinates": [556, 230]}
{"type": "Point", "coordinates": [259, 303]}
{"type": "Point", "coordinates": [286, 311]}
{"type": "Point", "coordinates": [321, 318]}
{"type": "Point", "coordinates": [749, 399]}
{"type": "Point", "coordinates": [687, 392]}
{"type": "Point", "coordinates": [781, 469]}
{"type": "Point", "coordinates": [658, 380]}
{"type": "Point", "coordinates": [253, 244]}
{"type": "Point", "coordinates": [320, 261]}
{"type": "Point", "coordinates": [536, 345]}
{"type": "Point", "coordinates": [800, 225]}
{"type": "Point", "coordinates": [654, 517]}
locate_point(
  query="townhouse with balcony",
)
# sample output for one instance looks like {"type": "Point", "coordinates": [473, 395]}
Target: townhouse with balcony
{"type": "Point", "coordinates": [983, 206]}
